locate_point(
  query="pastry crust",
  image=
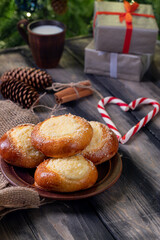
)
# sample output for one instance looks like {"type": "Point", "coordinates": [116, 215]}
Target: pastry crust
{"type": "Point", "coordinates": [66, 174]}
{"type": "Point", "coordinates": [62, 136]}
{"type": "Point", "coordinates": [103, 146]}
{"type": "Point", "coordinates": [16, 147]}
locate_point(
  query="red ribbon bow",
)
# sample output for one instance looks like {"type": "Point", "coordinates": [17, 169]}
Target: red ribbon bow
{"type": "Point", "coordinates": [127, 16]}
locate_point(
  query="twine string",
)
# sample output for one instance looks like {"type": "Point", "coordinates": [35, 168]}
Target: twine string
{"type": "Point", "coordinates": [53, 109]}
{"type": "Point", "coordinates": [60, 86]}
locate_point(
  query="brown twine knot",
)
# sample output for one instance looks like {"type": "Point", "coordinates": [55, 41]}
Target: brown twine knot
{"type": "Point", "coordinates": [60, 86]}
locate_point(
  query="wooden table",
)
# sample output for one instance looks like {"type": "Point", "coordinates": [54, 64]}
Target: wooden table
{"type": "Point", "coordinates": [130, 209]}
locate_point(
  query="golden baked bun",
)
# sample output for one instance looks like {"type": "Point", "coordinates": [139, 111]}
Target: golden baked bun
{"type": "Point", "coordinates": [66, 174]}
{"type": "Point", "coordinates": [16, 147]}
{"type": "Point", "coordinates": [103, 146]}
{"type": "Point", "coordinates": [62, 136]}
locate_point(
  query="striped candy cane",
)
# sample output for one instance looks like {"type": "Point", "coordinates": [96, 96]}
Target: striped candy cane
{"type": "Point", "coordinates": [126, 107]}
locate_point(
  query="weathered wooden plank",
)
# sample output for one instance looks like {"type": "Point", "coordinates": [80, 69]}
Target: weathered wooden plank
{"type": "Point", "coordinates": [67, 220]}
{"type": "Point", "coordinates": [11, 58]}
{"type": "Point", "coordinates": [127, 214]}
{"type": "Point", "coordinates": [133, 211]}
{"type": "Point", "coordinates": [14, 227]}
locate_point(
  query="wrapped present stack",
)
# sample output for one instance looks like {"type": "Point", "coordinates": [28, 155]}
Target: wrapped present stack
{"type": "Point", "coordinates": [124, 40]}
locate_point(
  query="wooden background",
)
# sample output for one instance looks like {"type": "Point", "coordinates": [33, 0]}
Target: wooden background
{"type": "Point", "coordinates": [131, 208]}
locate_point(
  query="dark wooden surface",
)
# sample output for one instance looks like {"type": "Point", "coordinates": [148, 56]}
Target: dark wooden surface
{"type": "Point", "coordinates": [131, 208]}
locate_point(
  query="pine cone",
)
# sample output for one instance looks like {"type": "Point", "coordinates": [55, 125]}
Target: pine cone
{"type": "Point", "coordinates": [19, 92]}
{"type": "Point", "coordinates": [59, 6]}
{"type": "Point", "coordinates": [34, 77]}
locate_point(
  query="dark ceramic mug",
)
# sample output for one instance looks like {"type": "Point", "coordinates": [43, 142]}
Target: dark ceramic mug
{"type": "Point", "coordinates": [46, 47]}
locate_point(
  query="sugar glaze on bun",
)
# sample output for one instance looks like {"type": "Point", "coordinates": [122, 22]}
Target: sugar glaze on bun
{"type": "Point", "coordinates": [62, 136]}
{"type": "Point", "coordinates": [66, 174]}
{"type": "Point", "coordinates": [16, 147]}
{"type": "Point", "coordinates": [103, 146]}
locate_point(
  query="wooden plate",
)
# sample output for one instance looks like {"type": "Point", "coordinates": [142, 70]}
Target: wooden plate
{"type": "Point", "coordinates": [108, 172]}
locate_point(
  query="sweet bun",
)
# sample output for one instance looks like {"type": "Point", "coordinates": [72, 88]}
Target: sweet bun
{"type": "Point", "coordinates": [16, 147]}
{"type": "Point", "coordinates": [62, 136]}
{"type": "Point", "coordinates": [103, 146]}
{"type": "Point", "coordinates": [65, 174]}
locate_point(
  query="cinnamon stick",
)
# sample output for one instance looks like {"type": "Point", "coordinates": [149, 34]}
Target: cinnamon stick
{"type": "Point", "coordinates": [73, 93]}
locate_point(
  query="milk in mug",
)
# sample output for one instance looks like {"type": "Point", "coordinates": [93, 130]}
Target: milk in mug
{"type": "Point", "coordinates": [47, 29]}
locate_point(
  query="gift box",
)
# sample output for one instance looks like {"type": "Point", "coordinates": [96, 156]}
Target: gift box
{"type": "Point", "coordinates": [116, 65]}
{"type": "Point", "coordinates": [118, 27]}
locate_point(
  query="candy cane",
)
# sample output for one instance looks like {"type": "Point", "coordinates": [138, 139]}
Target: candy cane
{"type": "Point", "coordinates": [125, 107]}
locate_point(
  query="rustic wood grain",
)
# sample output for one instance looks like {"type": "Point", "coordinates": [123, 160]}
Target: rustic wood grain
{"type": "Point", "coordinates": [14, 227]}
{"type": "Point", "coordinates": [129, 209]}
{"type": "Point", "coordinates": [67, 220]}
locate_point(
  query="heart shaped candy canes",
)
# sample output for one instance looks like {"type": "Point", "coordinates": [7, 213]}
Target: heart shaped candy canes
{"type": "Point", "coordinates": [126, 107]}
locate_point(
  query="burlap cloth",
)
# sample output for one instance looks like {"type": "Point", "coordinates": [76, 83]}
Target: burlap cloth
{"type": "Point", "coordinates": [11, 197]}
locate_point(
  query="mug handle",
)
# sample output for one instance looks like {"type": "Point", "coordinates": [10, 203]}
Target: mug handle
{"type": "Point", "coordinates": [21, 26]}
